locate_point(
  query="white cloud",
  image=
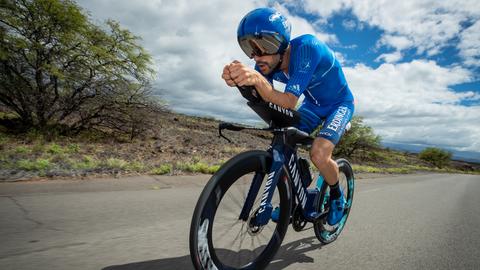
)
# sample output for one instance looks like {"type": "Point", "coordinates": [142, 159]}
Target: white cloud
{"type": "Point", "coordinates": [389, 57]}
{"type": "Point", "coordinates": [191, 41]}
{"type": "Point", "coordinates": [412, 102]}
{"type": "Point", "coordinates": [301, 26]}
{"type": "Point", "coordinates": [349, 24]}
{"type": "Point", "coordinates": [470, 45]}
{"type": "Point", "coordinates": [425, 25]}
{"type": "Point", "coordinates": [341, 58]}
{"type": "Point", "coordinates": [325, 8]}
{"type": "Point", "coordinates": [397, 42]}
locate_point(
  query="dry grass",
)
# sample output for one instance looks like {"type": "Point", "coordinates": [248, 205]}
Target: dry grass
{"type": "Point", "coordinates": [180, 145]}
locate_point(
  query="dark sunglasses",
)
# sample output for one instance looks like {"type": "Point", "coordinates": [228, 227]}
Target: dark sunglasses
{"type": "Point", "coordinates": [260, 45]}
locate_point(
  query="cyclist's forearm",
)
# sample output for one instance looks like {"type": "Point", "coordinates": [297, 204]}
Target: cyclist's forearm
{"type": "Point", "coordinates": [268, 93]}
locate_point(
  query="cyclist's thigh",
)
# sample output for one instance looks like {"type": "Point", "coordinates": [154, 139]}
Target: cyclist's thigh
{"type": "Point", "coordinates": [310, 117]}
{"type": "Point", "coordinates": [336, 121]}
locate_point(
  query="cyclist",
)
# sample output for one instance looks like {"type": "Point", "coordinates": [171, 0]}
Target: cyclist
{"type": "Point", "coordinates": [307, 66]}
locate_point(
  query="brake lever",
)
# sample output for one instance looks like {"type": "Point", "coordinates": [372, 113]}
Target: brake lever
{"type": "Point", "coordinates": [228, 126]}
{"type": "Point", "coordinates": [223, 136]}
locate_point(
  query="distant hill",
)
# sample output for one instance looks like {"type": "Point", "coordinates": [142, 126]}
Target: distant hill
{"type": "Point", "coordinates": [414, 148]}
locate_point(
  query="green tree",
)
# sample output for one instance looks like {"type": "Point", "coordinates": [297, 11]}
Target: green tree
{"type": "Point", "coordinates": [436, 156]}
{"type": "Point", "coordinates": [59, 69]}
{"type": "Point", "coordinates": [359, 137]}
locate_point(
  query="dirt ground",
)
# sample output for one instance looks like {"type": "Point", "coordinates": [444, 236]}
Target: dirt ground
{"type": "Point", "coordinates": [177, 140]}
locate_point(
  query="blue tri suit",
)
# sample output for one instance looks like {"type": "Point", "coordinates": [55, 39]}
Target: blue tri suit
{"type": "Point", "coordinates": [315, 72]}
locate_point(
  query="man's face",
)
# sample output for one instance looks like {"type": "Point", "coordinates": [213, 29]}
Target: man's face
{"type": "Point", "coordinates": [267, 63]}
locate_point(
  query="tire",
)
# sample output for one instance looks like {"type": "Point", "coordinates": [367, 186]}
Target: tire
{"type": "Point", "coordinates": [207, 248]}
{"type": "Point", "coordinates": [324, 232]}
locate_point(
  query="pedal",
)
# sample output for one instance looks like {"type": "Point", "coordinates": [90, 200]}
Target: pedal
{"type": "Point", "coordinates": [314, 215]}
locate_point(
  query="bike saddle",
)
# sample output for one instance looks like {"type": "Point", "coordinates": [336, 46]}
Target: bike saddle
{"type": "Point", "coordinates": [296, 136]}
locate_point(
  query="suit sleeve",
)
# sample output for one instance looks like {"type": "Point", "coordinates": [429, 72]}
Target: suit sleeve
{"type": "Point", "coordinates": [305, 63]}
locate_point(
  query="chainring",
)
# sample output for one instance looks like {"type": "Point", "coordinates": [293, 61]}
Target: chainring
{"type": "Point", "coordinates": [298, 221]}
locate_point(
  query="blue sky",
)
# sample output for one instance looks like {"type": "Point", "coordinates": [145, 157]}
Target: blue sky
{"type": "Point", "coordinates": [355, 40]}
{"type": "Point", "coordinates": [358, 41]}
{"type": "Point", "coordinates": [413, 65]}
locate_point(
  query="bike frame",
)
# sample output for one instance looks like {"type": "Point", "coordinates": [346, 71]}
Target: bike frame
{"type": "Point", "coordinates": [284, 154]}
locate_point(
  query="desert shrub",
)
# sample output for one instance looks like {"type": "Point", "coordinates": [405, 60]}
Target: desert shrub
{"type": "Point", "coordinates": [436, 156]}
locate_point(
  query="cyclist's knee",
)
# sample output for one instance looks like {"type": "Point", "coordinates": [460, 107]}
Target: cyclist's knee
{"type": "Point", "coordinates": [321, 152]}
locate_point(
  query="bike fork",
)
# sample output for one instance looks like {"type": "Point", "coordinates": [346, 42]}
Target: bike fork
{"type": "Point", "coordinates": [265, 210]}
{"type": "Point", "coordinates": [252, 194]}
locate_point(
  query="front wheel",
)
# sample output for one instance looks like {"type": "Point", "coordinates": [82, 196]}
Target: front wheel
{"type": "Point", "coordinates": [219, 237]}
{"type": "Point", "coordinates": [323, 231]}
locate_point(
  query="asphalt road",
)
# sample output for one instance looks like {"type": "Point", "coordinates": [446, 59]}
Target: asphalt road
{"type": "Point", "coordinates": [401, 222]}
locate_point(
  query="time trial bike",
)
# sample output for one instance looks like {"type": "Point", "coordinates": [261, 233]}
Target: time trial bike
{"type": "Point", "coordinates": [244, 210]}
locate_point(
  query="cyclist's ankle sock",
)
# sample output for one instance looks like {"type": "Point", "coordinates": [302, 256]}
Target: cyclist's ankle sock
{"type": "Point", "coordinates": [335, 191]}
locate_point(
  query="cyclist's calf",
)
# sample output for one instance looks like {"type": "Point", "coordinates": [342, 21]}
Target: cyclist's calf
{"type": "Point", "coordinates": [321, 156]}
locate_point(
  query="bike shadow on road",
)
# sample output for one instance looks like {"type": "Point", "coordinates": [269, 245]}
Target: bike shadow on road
{"type": "Point", "coordinates": [289, 253]}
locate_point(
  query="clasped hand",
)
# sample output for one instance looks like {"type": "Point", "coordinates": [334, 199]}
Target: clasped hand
{"type": "Point", "coordinates": [238, 74]}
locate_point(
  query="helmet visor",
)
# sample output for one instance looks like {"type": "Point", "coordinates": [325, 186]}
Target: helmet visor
{"type": "Point", "coordinates": [260, 45]}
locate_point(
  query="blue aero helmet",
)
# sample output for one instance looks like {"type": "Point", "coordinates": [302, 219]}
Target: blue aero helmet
{"type": "Point", "coordinates": [263, 31]}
